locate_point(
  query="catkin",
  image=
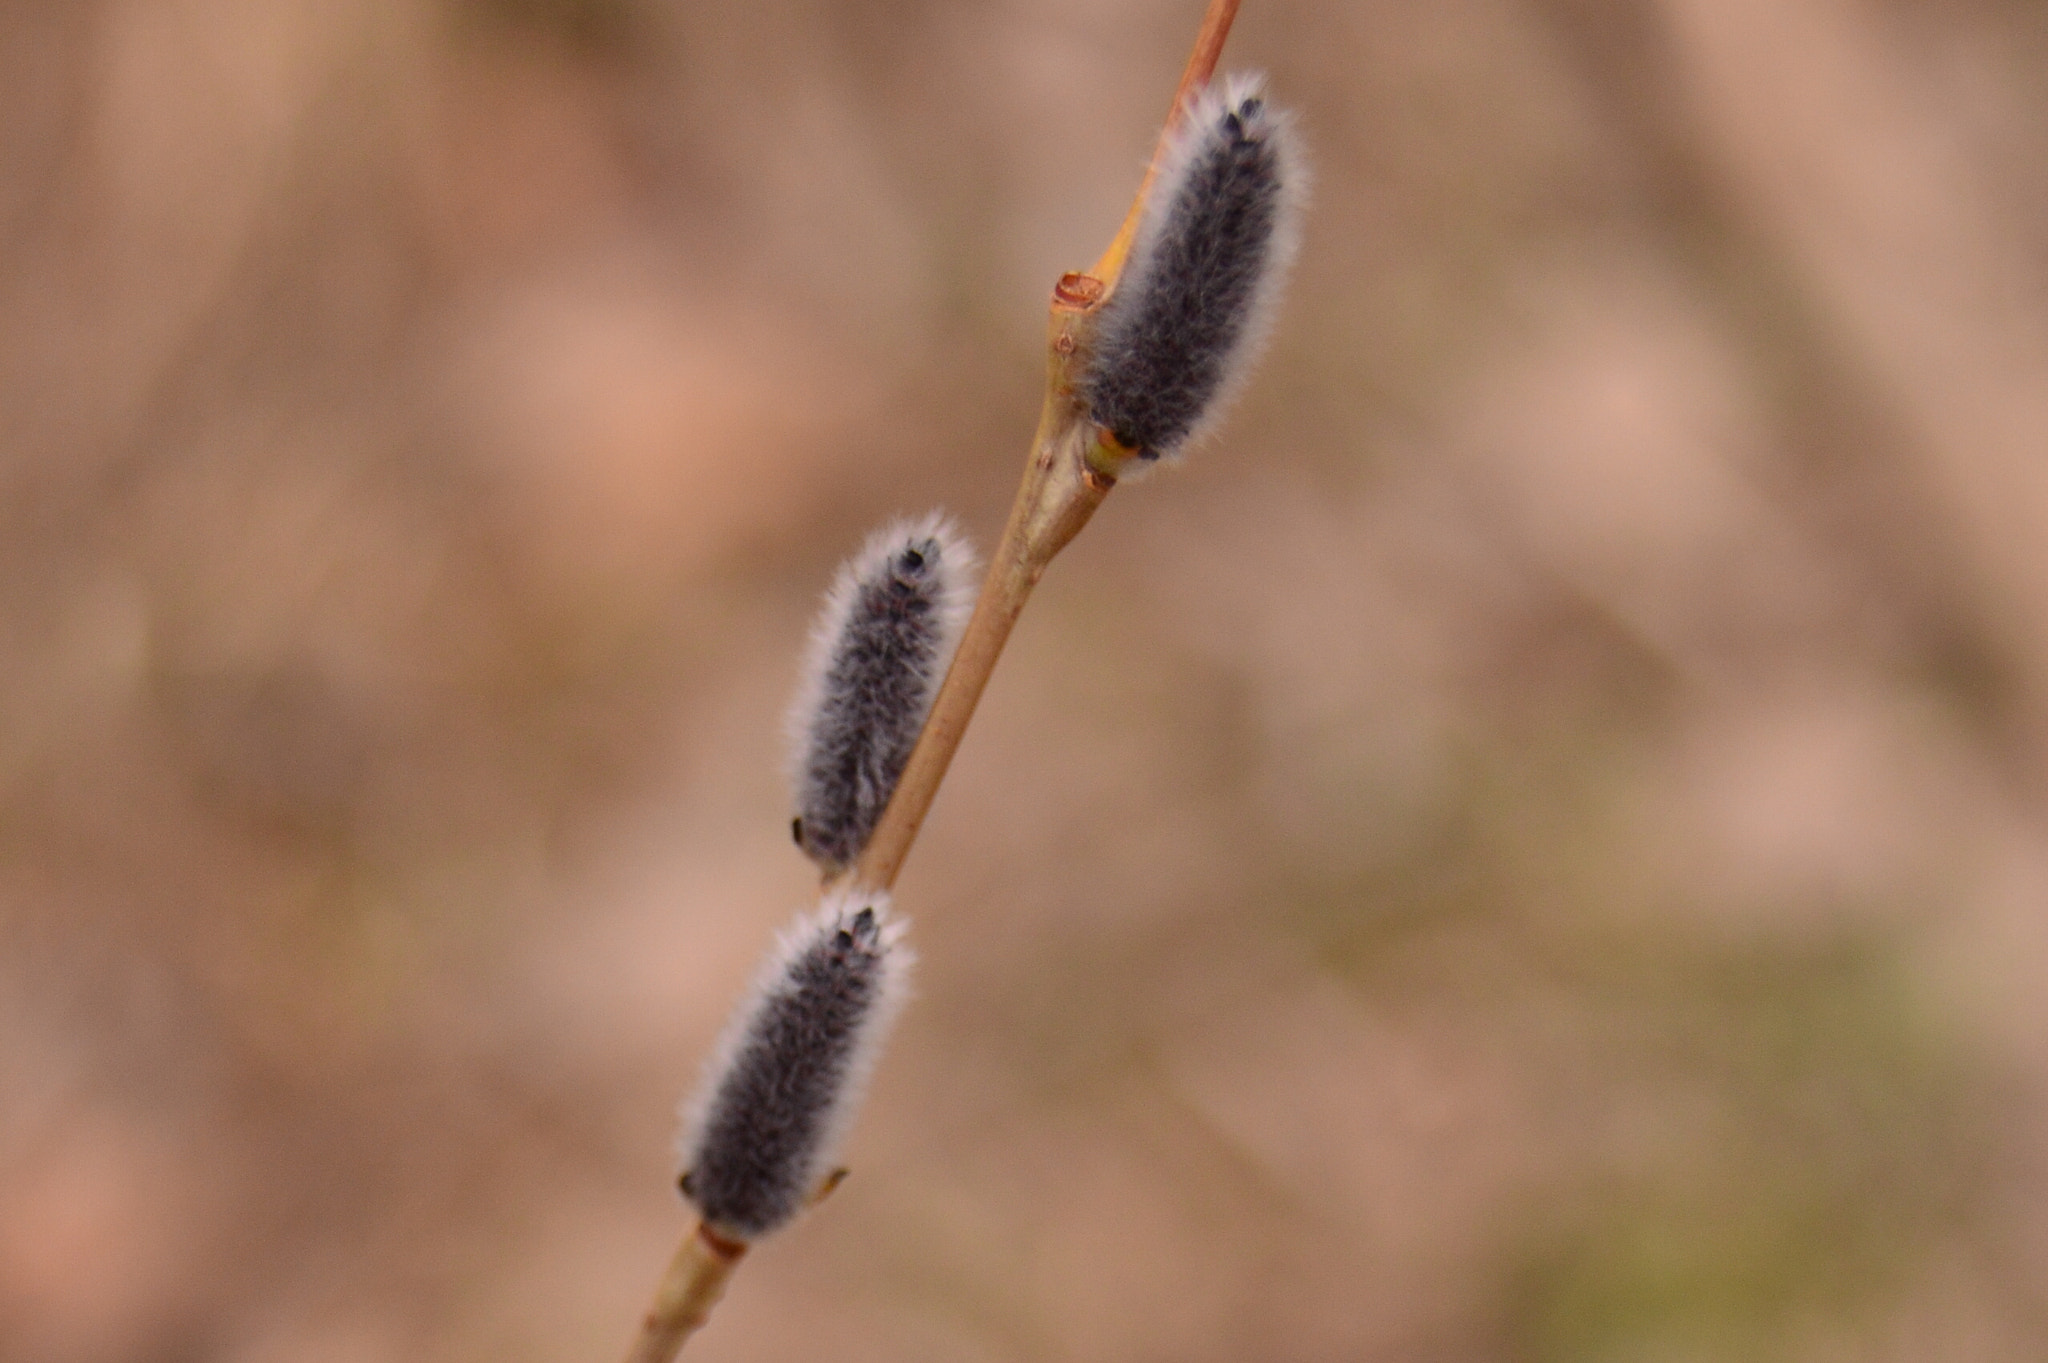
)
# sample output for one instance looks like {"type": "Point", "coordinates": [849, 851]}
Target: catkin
{"type": "Point", "coordinates": [782, 1087]}
{"type": "Point", "coordinates": [878, 653]}
{"type": "Point", "coordinates": [1178, 334]}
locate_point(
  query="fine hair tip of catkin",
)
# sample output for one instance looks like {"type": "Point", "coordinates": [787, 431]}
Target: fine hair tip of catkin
{"type": "Point", "coordinates": [878, 651]}
{"type": "Point", "coordinates": [761, 1133]}
{"type": "Point", "coordinates": [1217, 237]}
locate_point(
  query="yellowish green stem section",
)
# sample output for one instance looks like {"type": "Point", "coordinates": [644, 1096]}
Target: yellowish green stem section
{"type": "Point", "coordinates": [694, 1282]}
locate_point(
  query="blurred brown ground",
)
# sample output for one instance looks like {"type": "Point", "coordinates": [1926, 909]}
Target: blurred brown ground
{"type": "Point", "coordinates": [1530, 847]}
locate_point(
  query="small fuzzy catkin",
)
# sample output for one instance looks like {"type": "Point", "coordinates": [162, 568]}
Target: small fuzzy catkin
{"type": "Point", "coordinates": [1219, 229]}
{"type": "Point", "coordinates": [782, 1087]}
{"type": "Point", "coordinates": [878, 653]}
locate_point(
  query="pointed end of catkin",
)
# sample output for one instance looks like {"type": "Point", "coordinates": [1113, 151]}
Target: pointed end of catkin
{"type": "Point", "coordinates": [879, 650]}
{"type": "Point", "coordinates": [1192, 309]}
{"type": "Point", "coordinates": [781, 1089]}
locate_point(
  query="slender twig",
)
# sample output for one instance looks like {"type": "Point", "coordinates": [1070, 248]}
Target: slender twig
{"type": "Point", "coordinates": [1057, 496]}
{"type": "Point", "coordinates": [1059, 493]}
{"type": "Point", "coordinates": [1061, 488]}
{"type": "Point", "coordinates": [692, 1286]}
{"type": "Point", "coordinates": [1201, 66]}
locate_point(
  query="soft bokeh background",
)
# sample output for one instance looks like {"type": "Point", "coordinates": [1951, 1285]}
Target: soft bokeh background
{"type": "Point", "coordinates": [1530, 847]}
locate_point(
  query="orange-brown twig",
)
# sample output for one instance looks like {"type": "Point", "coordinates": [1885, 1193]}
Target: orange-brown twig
{"type": "Point", "coordinates": [1059, 493]}
{"type": "Point", "coordinates": [1201, 66]}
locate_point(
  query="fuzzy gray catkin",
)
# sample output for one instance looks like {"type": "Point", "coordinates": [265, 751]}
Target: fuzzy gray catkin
{"type": "Point", "coordinates": [878, 653]}
{"type": "Point", "coordinates": [780, 1091]}
{"type": "Point", "coordinates": [1219, 229]}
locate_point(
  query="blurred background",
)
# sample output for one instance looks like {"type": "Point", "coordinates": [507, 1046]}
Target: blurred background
{"type": "Point", "coordinates": [1528, 847]}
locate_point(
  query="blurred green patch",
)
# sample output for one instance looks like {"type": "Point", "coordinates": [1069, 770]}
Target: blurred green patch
{"type": "Point", "coordinates": [1809, 1148]}
{"type": "Point", "coordinates": [1703, 1270]}
{"type": "Point", "coordinates": [1747, 1133]}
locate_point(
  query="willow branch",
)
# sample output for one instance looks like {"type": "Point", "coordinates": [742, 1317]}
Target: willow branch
{"type": "Point", "coordinates": [1058, 495]}
{"type": "Point", "coordinates": [1060, 491]}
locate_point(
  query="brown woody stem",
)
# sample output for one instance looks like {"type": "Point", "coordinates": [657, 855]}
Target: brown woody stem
{"type": "Point", "coordinates": [1057, 496]}
{"type": "Point", "coordinates": [1061, 489]}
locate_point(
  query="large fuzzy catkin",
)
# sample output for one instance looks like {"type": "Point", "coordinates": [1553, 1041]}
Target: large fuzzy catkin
{"type": "Point", "coordinates": [783, 1084]}
{"type": "Point", "coordinates": [1191, 309]}
{"type": "Point", "coordinates": [878, 653]}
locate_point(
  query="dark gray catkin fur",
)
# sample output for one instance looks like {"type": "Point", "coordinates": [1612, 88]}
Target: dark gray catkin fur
{"type": "Point", "coordinates": [787, 1076]}
{"type": "Point", "coordinates": [1184, 322]}
{"type": "Point", "coordinates": [880, 648]}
